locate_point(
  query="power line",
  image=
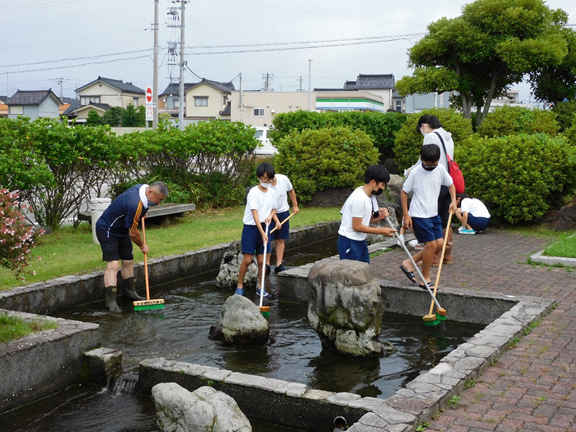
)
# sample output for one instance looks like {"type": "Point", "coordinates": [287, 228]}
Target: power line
{"type": "Point", "coordinates": [35, 5]}
{"type": "Point", "coordinates": [79, 65]}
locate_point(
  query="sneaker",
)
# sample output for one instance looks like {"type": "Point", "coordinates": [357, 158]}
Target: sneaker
{"type": "Point", "coordinates": [267, 269]}
{"type": "Point", "coordinates": [467, 231]}
{"type": "Point", "coordinates": [413, 243]}
{"type": "Point", "coordinates": [462, 228]}
{"type": "Point", "coordinates": [400, 239]}
{"type": "Point", "coordinates": [279, 269]}
{"type": "Point", "coordinates": [239, 291]}
{"type": "Point", "coordinates": [265, 295]}
{"type": "Point", "coordinates": [419, 246]}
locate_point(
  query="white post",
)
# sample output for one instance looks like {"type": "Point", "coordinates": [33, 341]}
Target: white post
{"type": "Point", "coordinates": [97, 207]}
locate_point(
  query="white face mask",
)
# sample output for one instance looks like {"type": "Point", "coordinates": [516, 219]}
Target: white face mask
{"type": "Point", "coordinates": [265, 185]}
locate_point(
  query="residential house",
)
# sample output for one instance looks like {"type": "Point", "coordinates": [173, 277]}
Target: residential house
{"type": "Point", "coordinates": [3, 107]}
{"type": "Point", "coordinates": [417, 102]}
{"type": "Point", "coordinates": [208, 100]}
{"type": "Point", "coordinates": [169, 99]}
{"type": "Point", "coordinates": [34, 104]}
{"type": "Point", "coordinates": [104, 93]}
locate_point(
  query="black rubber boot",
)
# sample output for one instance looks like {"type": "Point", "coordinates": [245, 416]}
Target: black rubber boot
{"type": "Point", "coordinates": [130, 290]}
{"type": "Point", "coordinates": [111, 304]}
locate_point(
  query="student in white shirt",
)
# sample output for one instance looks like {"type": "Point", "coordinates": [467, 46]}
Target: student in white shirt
{"type": "Point", "coordinates": [473, 214]}
{"type": "Point", "coordinates": [358, 213]}
{"type": "Point", "coordinates": [283, 187]}
{"type": "Point", "coordinates": [260, 210]}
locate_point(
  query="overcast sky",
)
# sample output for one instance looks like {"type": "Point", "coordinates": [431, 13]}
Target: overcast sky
{"type": "Point", "coordinates": [75, 41]}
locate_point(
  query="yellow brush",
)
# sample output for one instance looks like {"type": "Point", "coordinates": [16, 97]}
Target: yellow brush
{"type": "Point", "coordinates": [147, 304]}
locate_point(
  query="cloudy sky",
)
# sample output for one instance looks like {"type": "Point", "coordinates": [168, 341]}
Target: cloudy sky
{"type": "Point", "coordinates": [48, 42]}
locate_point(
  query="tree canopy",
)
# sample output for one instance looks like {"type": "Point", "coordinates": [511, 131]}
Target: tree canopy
{"type": "Point", "coordinates": [481, 53]}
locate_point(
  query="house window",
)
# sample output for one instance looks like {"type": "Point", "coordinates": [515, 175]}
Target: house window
{"type": "Point", "coordinates": [17, 109]}
{"type": "Point", "coordinates": [201, 101]}
{"type": "Point", "coordinates": [398, 105]}
{"type": "Point", "coordinates": [224, 99]}
{"type": "Point", "coordinates": [135, 101]}
{"type": "Point", "coordinates": [258, 112]}
{"type": "Point", "coordinates": [87, 100]}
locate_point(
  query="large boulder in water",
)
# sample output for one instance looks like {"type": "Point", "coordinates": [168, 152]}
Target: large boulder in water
{"type": "Point", "coordinates": [346, 307]}
{"type": "Point", "coordinates": [204, 410]}
{"type": "Point", "coordinates": [241, 324]}
{"type": "Point", "coordinates": [230, 268]}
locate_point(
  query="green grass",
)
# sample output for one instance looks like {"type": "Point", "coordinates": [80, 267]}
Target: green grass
{"type": "Point", "coordinates": [14, 327]}
{"type": "Point", "coordinates": [565, 246]}
{"type": "Point", "coordinates": [71, 251]}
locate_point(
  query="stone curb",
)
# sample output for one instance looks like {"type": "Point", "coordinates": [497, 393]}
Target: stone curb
{"type": "Point", "coordinates": [540, 258]}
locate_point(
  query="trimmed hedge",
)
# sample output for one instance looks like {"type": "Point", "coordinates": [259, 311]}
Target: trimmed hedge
{"type": "Point", "coordinates": [509, 120]}
{"type": "Point", "coordinates": [519, 177]}
{"type": "Point", "coordinates": [315, 160]}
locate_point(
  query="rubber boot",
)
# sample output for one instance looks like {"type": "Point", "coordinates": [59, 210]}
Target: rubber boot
{"type": "Point", "coordinates": [111, 304]}
{"type": "Point", "coordinates": [130, 290]}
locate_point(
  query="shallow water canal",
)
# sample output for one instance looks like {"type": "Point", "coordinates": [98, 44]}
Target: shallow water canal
{"type": "Point", "coordinates": [179, 333]}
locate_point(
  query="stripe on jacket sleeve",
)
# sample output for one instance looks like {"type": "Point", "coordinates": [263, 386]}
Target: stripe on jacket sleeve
{"type": "Point", "coordinates": [137, 216]}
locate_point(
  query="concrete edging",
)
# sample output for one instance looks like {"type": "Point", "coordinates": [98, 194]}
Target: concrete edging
{"type": "Point", "coordinates": [540, 258]}
{"type": "Point", "coordinates": [42, 363]}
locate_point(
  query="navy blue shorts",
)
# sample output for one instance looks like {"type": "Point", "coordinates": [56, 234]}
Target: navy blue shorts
{"type": "Point", "coordinates": [478, 223]}
{"type": "Point", "coordinates": [284, 230]}
{"type": "Point", "coordinates": [427, 229]}
{"type": "Point", "coordinates": [115, 248]}
{"type": "Point", "coordinates": [356, 250]}
{"type": "Point", "coordinates": [251, 242]}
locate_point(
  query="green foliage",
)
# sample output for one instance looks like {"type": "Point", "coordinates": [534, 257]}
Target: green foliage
{"type": "Point", "coordinates": [570, 134]}
{"type": "Point", "coordinates": [518, 177]}
{"type": "Point", "coordinates": [409, 140]}
{"type": "Point", "coordinates": [315, 160]}
{"type": "Point", "coordinates": [12, 327]}
{"type": "Point", "coordinates": [509, 120]}
{"type": "Point", "coordinates": [565, 114]}
{"type": "Point", "coordinates": [134, 117]}
{"type": "Point", "coordinates": [17, 238]}
{"type": "Point", "coordinates": [491, 46]}
{"type": "Point", "coordinates": [113, 117]}
{"type": "Point", "coordinates": [93, 118]}
{"type": "Point", "coordinates": [381, 127]}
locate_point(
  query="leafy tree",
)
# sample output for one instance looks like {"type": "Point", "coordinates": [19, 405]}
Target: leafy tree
{"type": "Point", "coordinates": [319, 159]}
{"type": "Point", "coordinates": [556, 83]}
{"type": "Point", "coordinates": [509, 120]}
{"type": "Point", "coordinates": [132, 117]}
{"type": "Point", "coordinates": [113, 117]}
{"type": "Point", "coordinates": [409, 140]}
{"type": "Point", "coordinates": [93, 118]}
{"type": "Point", "coordinates": [491, 46]}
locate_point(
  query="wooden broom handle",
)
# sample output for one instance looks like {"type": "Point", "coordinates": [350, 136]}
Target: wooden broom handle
{"type": "Point", "coordinates": [145, 261]}
{"type": "Point", "coordinates": [441, 261]}
{"type": "Point", "coordinates": [281, 223]}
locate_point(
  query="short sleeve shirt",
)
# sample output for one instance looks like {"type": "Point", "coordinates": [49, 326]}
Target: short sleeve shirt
{"type": "Point", "coordinates": [264, 202]}
{"type": "Point", "coordinates": [124, 213]}
{"type": "Point", "coordinates": [359, 205]}
{"type": "Point", "coordinates": [426, 187]}
{"type": "Point", "coordinates": [283, 186]}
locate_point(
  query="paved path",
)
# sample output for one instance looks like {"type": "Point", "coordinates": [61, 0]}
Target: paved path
{"type": "Point", "coordinates": [533, 385]}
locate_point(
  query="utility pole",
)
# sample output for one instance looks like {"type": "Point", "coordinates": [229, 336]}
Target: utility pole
{"type": "Point", "coordinates": [267, 77]}
{"type": "Point", "coordinates": [241, 100]}
{"type": "Point", "coordinates": [155, 75]}
{"type": "Point", "coordinates": [300, 82]}
{"type": "Point", "coordinates": [309, 80]}
{"type": "Point", "coordinates": [181, 97]}
{"type": "Point", "coordinates": [60, 81]}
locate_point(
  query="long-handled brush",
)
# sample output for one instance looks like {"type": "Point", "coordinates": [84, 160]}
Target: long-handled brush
{"type": "Point", "coordinates": [147, 304]}
{"type": "Point", "coordinates": [441, 310]}
{"type": "Point", "coordinates": [281, 223]}
{"type": "Point", "coordinates": [431, 319]}
{"type": "Point", "coordinates": [264, 310]}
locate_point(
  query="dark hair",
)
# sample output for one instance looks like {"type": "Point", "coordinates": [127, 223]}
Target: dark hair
{"type": "Point", "coordinates": [160, 187]}
{"type": "Point", "coordinates": [430, 153]}
{"type": "Point", "coordinates": [462, 196]}
{"type": "Point", "coordinates": [378, 173]}
{"type": "Point", "coordinates": [265, 168]}
{"type": "Point", "coordinates": [432, 120]}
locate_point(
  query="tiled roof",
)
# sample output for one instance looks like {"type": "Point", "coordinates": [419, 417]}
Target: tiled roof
{"type": "Point", "coordinates": [174, 88]}
{"type": "Point", "coordinates": [127, 87]}
{"type": "Point", "coordinates": [74, 105]}
{"type": "Point", "coordinates": [104, 107]}
{"type": "Point", "coordinates": [31, 97]}
{"type": "Point", "coordinates": [371, 82]}
{"type": "Point", "coordinates": [224, 87]}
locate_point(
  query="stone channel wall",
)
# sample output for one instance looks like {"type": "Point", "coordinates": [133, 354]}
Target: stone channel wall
{"type": "Point", "coordinates": [42, 363]}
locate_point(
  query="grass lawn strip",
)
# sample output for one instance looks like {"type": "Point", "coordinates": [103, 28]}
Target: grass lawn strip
{"type": "Point", "coordinates": [12, 327]}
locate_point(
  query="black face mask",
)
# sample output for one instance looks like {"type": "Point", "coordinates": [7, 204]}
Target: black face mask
{"type": "Point", "coordinates": [429, 168]}
{"type": "Point", "coordinates": [378, 192]}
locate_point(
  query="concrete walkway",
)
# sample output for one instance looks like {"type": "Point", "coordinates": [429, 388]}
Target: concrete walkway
{"type": "Point", "coordinates": [533, 386]}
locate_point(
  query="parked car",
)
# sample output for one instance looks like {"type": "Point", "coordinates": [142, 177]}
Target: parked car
{"type": "Point", "coordinates": [267, 148]}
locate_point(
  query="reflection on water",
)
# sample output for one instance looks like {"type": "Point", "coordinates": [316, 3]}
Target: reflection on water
{"type": "Point", "coordinates": [179, 332]}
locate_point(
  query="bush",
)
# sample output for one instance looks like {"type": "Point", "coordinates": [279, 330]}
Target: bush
{"type": "Point", "coordinates": [565, 112]}
{"type": "Point", "coordinates": [509, 120]}
{"type": "Point", "coordinates": [315, 160]}
{"type": "Point", "coordinates": [17, 239]}
{"type": "Point", "coordinates": [381, 127]}
{"type": "Point", "coordinates": [409, 141]}
{"type": "Point", "coordinates": [519, 177]}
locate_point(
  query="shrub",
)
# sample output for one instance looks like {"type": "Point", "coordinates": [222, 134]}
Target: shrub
{"type": "Point", "coordinates": [509, 120]}
{"type": "Point", "coordinates": [381, 127]}
{"type": "Point", "coordinates": [17, 239]}
{"type": "Point", "coordinates": [565, 112]}
{"type": "Point", "coordinates": [409, 141]}
{"type": "Point", "coordinates": [519, 177]}
{"type": "Point", "coordinates": [318, 159]}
